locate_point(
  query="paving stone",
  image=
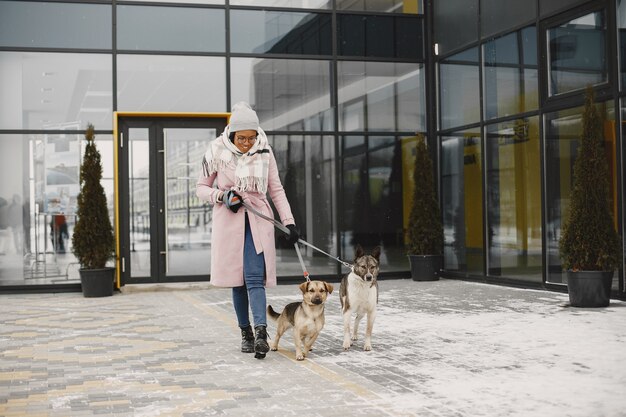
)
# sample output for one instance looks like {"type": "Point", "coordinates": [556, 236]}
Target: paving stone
{"type": "Point", "coordinates": [444, 348]}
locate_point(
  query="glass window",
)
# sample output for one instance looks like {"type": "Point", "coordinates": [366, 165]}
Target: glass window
{"type": "Point", "coordinates": [381, 96]}
{"type": "Point", "coordinates": [547, 7]}
{"type": "Point", "coordinates": [563, 130]}
{"type": "Point", "coordinates": [188, 29]}
{"type": "Point", "coordinates": [459, 90]}
{"type": "Point", "coordinates": [372, 196]}
{"type": "Point", "coordinates": [577, 54]}
{"type": "Point", "coordinates": [462, 201]}
{"type": "Point", "coordinates": [497, 15]}
{"type": "Point", "coordinates": [287, 94]}
{"type": "Point", "coordinates": [187, 1]}
{"type": "Point", "coordinates": [171, 83]}
{"type": "Point", "coordinates": [455, 24]}
{"type": "Point", "coordinates": [55, 90]}
{"type": "Point", "coordinates": [259, 31]}
{"type": "Point", "coordinates": [385, 6]}
{"type": "Point", "coordinates": [38, 205]}
{"type": "Point", "coordinates": [380, 36]}
{"type": "Point", "coordinates": [621, 39]}
{"type": "Point", "coordinates": [510, 84]}
{"type": "Point", "coordinates": [514, 199]}
{"type": "Point", "coordinates": [55, 25]}
{"type": "Point", "coordinates": [306, 165]}
{"type": "Point", "coordinates": [303, 4]}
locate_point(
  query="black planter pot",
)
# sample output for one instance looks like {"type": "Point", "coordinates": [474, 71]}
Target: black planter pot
{"type": "Point", "coordinates": [97, 282]}
{"type": "Point", "coordinates": [425, 267]}
{"type": "Point", "coordinates": [589, 288]}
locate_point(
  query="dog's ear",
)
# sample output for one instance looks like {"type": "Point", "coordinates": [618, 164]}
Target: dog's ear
{"type": "Point", "coordinates": [376, 253]}
{"type": "Point", "coordinates": [304, 287]}
{"type": "Point", "coordinates": [358, 252]}
{"type": "Point", "coordinates": [329, 287]}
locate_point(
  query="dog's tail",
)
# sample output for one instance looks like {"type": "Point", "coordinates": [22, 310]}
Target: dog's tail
{"type": "Point", "coordinates": [273, 315]}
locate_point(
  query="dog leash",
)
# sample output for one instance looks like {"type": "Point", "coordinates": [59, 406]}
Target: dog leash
{"type": "Point", "coordinates": [284, 229]}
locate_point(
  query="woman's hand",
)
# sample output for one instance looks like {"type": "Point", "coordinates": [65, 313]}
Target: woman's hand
{"type": "Point", "coordinates": [293, 234]}
{"type": "Point", "coordinates": [232, 200]}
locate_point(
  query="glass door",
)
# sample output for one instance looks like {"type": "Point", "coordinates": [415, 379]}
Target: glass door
{"type": "Point", "coordinates": [164, 228]}
{"type": "Point", "coordinates": [187, 221]}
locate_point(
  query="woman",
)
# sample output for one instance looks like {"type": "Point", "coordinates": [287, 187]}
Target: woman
{"type": "Point", "coordinates": [240, 165]}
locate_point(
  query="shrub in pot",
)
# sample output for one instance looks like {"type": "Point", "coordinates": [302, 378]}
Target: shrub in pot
{"type": "Point", "coordinates": [93, 240]}
{"type": "Point", "coordinates": [425, 231]}
{"type": "Point", "coordinates": [590, 247]}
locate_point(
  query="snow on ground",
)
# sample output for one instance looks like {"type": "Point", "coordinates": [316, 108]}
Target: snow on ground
{"type": "Point", "coordinates": [462, 348]}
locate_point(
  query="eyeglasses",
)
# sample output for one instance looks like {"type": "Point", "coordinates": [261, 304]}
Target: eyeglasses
{"type": "Point", "coordinates": [243, 139]}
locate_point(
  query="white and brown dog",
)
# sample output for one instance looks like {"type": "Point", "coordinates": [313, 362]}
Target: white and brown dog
{"type": "Point", "coordinates": [358, 294]}
{"type": "Point", "coordinates": [306, 317]}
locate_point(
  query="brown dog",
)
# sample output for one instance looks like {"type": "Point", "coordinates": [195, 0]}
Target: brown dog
{"type": "Point", "coordinates": [306, 317]}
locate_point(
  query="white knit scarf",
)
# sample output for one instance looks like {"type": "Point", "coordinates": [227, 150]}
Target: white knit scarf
{"type": "Point", "coordinates": [252, 167]}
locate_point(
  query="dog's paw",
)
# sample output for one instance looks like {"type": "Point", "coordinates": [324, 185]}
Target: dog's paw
{"type": "Point", "coordinates": [346, 346]}
{"type": "Point", "coordinates": [367, 347]}
{"type": "Point", "coordinates": [300, 357]}
{"type": "Point", "coordinates": [354, 337]}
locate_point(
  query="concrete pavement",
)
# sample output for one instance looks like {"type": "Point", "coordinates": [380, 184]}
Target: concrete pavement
{"type": "Point", "coordinates": [445, 348]}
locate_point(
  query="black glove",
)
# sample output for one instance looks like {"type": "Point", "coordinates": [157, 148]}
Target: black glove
{"type": "Point", "coordinates": [232, 200]}
{"type": "Point", "coordinates": [293, 234]}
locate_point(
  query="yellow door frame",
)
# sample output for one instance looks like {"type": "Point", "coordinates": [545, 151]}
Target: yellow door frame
{"type": "Point", "coordinates": [116, 116]}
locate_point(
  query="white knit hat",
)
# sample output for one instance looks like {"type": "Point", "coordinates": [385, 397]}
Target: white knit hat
{"type": "Point", "coordinates": [243, 118]}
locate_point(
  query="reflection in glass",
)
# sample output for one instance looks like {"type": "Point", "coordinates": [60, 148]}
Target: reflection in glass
{"type": "Point", "coordinates": [306, 166]}
{"type": "Point", "coordinates": [55, 90]}
{"type": "Point", "coordinates": [514, 199]}
{"type": "Point", "coordinates": [303, 4]}
{"type": "Point", "coordinates": [497, 16]}
{"type": "Point", "coordinates": [372, 196]}
{"type": "Point", "coordinates": [171, 83]}
{"type": "Point", "coordinates": [287, 94]}
{"type": "Point", "coordinates": [55, 25]}
{"type": "Point", "coordinates": [38, 204]}
{"type": "Point", "coordinates": [459, 90]}
{"type": "Point", "coordinates": [462, 196]}
{"type": "Point", "coordinates": [380, 36]}
{"type": "Point", "coordinates": [139, 201]}
{"type": "Point", "coordinates": [186, 1]}
{"type": "Point", "coordinates": [188, 29]}
{"type": "Point", "coordinates": [280, 32]}
{"type": "Point", "coordinates": [386, 6]}
{"type": "Point", "coordinates": [621, 40]}
{"type": "Point", "coordinates": [381, 96]}
{"type": "Point", "coordinates": [510, 84]}
{"type": "Point", "coordinates": [451, 27]}
{"type": "Point", "coordinates": [188, 220]}
{"type": "Point", "coordinates": [563, 130]}
{"type": "Point", "coordinates": [576, 53]}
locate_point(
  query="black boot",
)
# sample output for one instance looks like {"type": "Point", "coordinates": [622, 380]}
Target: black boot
{"type": "Point", "coordinates": [260, 342]}
{"type": "Point", "coordinates": [247, 339]}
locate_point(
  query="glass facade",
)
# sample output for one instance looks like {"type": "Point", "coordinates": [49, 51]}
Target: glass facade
{"type": "Point", "coordinates": [461, 200]}
{"type": "Point", "coordinates": [511, 74]}
{"type": "Point", "coordinates": [513, 192]}
{"type": "Point", "coordinates": [577, 53]}
{"type": "Point", "coordinates": [339, 88]}
{"type": "Point", "coordinates": [509, 126]}
{"type": "Point", "coordinates": [342, 88]}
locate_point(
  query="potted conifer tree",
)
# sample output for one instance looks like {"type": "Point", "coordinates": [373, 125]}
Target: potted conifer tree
{"type": "Point", "coordinates": [425, 246]}
{"type": "Point", "coordinates": [590, 247]}
{"type": "Point", "coordinates": [93, 240]}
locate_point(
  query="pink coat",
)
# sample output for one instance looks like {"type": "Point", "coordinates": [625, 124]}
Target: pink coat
{"type": "Point", "coordinates": [228, 232]}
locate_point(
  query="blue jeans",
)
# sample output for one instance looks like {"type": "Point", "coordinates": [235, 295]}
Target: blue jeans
{"type": "Point", "coordinates": [253, 290]}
